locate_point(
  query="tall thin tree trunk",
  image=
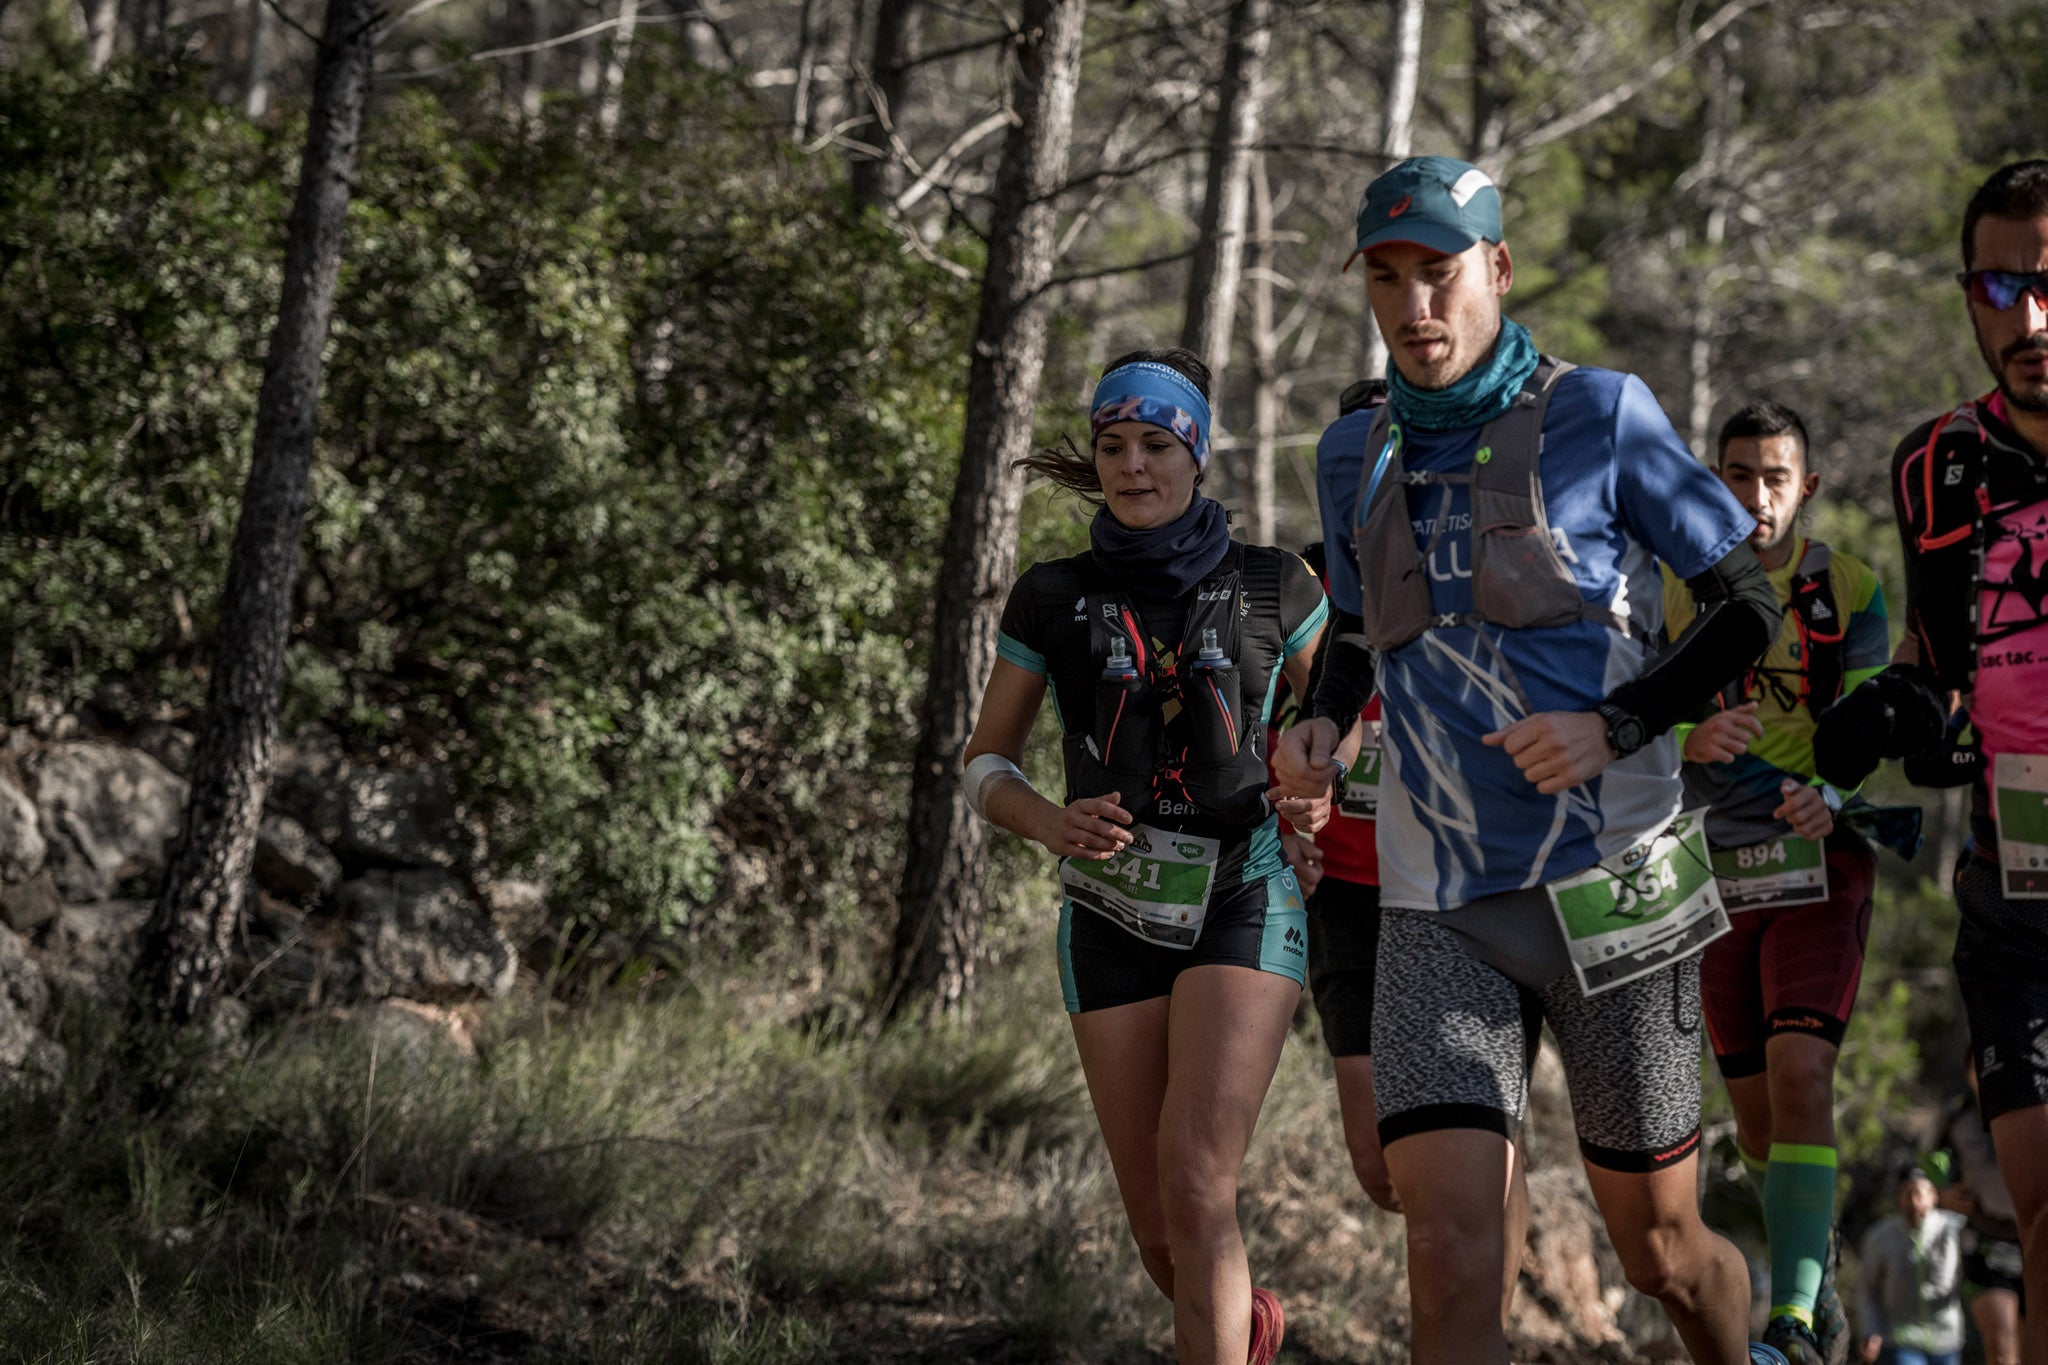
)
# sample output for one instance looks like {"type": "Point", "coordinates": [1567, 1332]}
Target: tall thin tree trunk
{"type": "Point", "coordinates": [590, 54]}
{"type": "Point", "coordinates": [800, 124]}
{"type": "Point", "coordinates": [877, 180]}
{"type": "Point", "coordinates": [1483, 139]}
{"type": "Point", "coordinates": [1218, 263]}
{"type": "Point", "coordinates": [700, 41]}
{"type": "Point", "coordinates": [939, 914]}
{"type": "Point", "coordinates": [526, 67]}
{"type": "Point", "coordinates": [615, 68]}
{"type": "Point", "coordinates": [1397, 137]}
{"type": "Point", "coordinates": [1724, 116]}
{"type": "Point", "coordinates": [186, 949]}
{"type": "Point", "coordinates": [256, 85]}
{"type": "Point", "coordinates": [149, 22]}
{"type": "Point", "coordinates": [1266, 394]}
{"type": "Point", "coordinates": [102, 24]}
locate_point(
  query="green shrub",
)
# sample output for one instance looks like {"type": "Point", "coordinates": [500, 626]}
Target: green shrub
{"type": "Point", "coordinates": [632, 465]}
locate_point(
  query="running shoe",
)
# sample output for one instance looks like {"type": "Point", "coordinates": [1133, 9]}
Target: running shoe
{"type": "Point", "coordinates": [1794, 1340]}
{"type": "Point", "coordinates": [1269, 1327]}
{"type": "Point", "coordinates": [1760, 1354]}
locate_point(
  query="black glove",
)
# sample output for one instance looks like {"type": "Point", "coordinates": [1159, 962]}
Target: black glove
{"type": "Point", "coordinates": [1947, 765]}
{"type": "Point", "coordinates": [1890, 716]}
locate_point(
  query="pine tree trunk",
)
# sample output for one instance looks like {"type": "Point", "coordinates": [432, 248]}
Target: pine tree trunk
{"type": "Point", "coordinates": [940, 910]}
{"type": "Point", "coordinates": [615, 68]}
{"type": "Point", "coordinates": [186, 950]}
{"type": "Point", "coordinates": [256, 82]}
{"type": "Point", "coordinates": [1266, 380]}
{"type": "Point", "coordinates": [876, 180]}
{"type": "Point", "coordinates": [1397, 138]}
{"type": "Point", "coordinates": [102, 24]}
{"type": "Point", "coordinates": [1218, 262]}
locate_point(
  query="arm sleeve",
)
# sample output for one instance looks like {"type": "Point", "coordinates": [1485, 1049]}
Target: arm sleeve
{"type": "Point", "coordinates": [1738, 616]}
{"type": "Point", "coordinates": [1020, 638]}
{"type": "Point", "coordinates": [1303, 608]}
{"type": "Point", "coordinates": [1345, 663]}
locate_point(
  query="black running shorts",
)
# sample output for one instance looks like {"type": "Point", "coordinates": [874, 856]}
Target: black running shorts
{"type": "Point", "coordinates": [2002, 968]}
{"type": "Point", "coordinates": [1259, 924]}
{"type": "Point", "coordinates": [1343, 953]}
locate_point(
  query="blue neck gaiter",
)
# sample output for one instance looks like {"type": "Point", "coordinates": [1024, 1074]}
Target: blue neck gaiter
{"type": "Point", "coordinates": [1486, 391]}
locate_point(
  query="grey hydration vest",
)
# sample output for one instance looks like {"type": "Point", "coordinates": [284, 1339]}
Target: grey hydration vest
{"type": "Point", "coordinates": [1518, 580]}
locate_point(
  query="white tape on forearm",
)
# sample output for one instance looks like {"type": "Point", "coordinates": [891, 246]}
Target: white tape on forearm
{"type": "Point", "coordinates": [983, 771]}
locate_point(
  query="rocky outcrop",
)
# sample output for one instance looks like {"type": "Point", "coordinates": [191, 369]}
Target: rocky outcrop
{"type": "Point", "coordinates": [106, 813]}
{"type": "Point", "coordinates": [22, 847]}
{"type": "Point", "coordinates": [27, 906]}
{"type": "Point", "coordinates": [368, 885]}
{"type": "Point", "coordinates": [291, 863]}
{"type": "Point", "coordinates": [374, 817]}
{"type": "Point", "coordinates": [421, 936]}
{"type": "Point", "coordinates": [24, 1010]}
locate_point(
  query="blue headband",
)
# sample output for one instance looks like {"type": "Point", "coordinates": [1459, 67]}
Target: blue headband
{"type": "Point", "coordinates": [1146, 391]}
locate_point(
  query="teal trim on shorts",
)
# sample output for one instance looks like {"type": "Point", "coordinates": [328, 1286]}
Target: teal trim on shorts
{"type": "Point", "coordinates": [1306, 631]}
{"type": "Point", "coordinates": [1069, 992]}
{"type": "Point", "coordinates": [1020, 654]}
{"type": "Point", "coordinates": [1283, 947]}
{"type": "Point", "coordinates": [1264, 858]}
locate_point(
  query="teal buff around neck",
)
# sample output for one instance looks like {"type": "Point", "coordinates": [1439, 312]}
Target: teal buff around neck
{"type": "Point", "coordinates": [1485, 392]}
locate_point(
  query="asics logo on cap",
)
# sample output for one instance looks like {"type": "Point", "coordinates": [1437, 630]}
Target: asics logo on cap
{"type": "Point", "coordinates": [1402, 207]}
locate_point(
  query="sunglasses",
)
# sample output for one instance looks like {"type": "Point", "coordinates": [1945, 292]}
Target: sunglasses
{"type": "Point", "coordinates": [2002, 289]}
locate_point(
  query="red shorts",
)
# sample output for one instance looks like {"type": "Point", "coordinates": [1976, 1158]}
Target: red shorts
{"type": "Point", "coordinates": [1792, 969]}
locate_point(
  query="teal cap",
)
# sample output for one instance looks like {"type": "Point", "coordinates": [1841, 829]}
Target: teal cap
{"type": "Point", "coordinates": [1435, 201]}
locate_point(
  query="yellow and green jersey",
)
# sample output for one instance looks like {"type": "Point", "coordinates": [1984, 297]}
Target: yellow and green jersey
{"type": "Point", "coordinates": [1742, 794]}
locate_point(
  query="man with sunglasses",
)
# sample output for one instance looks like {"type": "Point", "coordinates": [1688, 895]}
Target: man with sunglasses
{"type": "Point", "coordinates": [1779, 987]}
{"type": "Point", "coordinates": [1971, 492]}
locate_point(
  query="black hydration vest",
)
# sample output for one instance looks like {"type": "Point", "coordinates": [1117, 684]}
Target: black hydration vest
{"type": "Point", "coordinates": [1220, 773]}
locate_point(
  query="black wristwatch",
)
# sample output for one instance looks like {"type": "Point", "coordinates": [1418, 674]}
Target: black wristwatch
{"type": "Point", "coordinates": [1626, 733]}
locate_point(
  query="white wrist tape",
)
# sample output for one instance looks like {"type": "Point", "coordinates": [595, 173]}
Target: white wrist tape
{"type": "Point", "coordinates": [983, 772]}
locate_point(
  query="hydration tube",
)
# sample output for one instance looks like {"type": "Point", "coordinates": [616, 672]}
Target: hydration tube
{"type": "Point", "coordinates": [1379, 469]}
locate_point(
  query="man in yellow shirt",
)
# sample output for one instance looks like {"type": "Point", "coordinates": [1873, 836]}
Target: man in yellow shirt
{"type": "Point", "coordinates": [1779, 988]}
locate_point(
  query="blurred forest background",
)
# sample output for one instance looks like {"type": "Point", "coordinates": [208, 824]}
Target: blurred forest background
{"type": "Point", "coordinates": [660, 497]}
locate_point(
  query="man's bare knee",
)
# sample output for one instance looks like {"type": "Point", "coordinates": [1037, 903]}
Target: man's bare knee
{"type": "Point", "coordinates": [1450, 1268]}
{"type": "Point", "coordinates": [1653, 1258]}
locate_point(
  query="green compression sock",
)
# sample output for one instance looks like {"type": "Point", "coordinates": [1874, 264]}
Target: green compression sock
{"type": "Point", "coordinates": [1799, 1211]}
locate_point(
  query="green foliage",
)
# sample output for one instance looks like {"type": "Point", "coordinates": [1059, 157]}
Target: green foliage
{"type": "Point", "coordinates": [632, 466]}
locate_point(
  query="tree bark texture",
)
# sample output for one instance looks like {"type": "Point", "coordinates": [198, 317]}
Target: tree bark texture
{"type": "Point", "coordinates": [1715, 173]}
{"type": "Point", "coordinates": [1267, 385]}
{"type": "Point", "coordinates": [940, 910]}
{"type": "Point", "coordinates": [1488, 129]}
{"type": "Point", "coordinates": [186, 950]}
{"type": "Point", "coordinates": [615, 68]}
{"type": "Point", "coordinates": [1397, 137]}
{"type": "Point", "coordinates": [102, 24]}
{"type": "Point", "coordinates": [256, 85]}
{"type": "Point", "coordinates": [1218, 263]}
{"type": "Point", "coordinates": [877, 179]}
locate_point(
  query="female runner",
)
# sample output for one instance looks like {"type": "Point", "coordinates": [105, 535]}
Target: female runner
{"type": "Point", "coordinates": [1182, 941]}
